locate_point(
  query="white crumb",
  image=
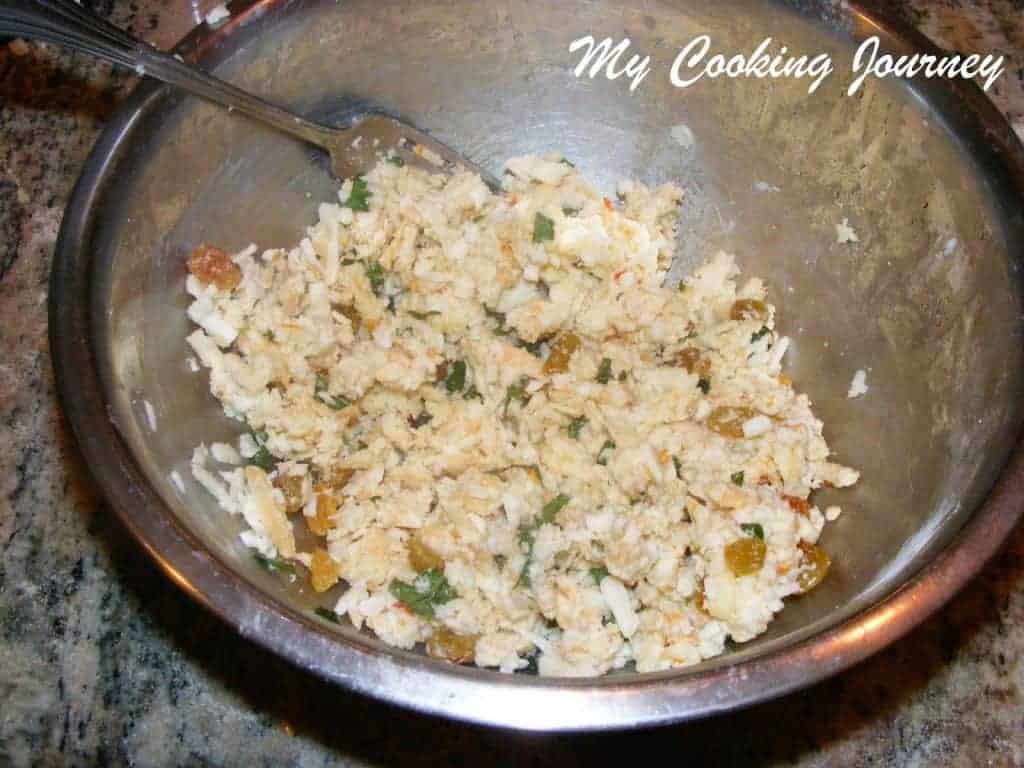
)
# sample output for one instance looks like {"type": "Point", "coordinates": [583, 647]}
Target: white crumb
{"type": "Point", "coordinates": [832, 513]}
{"type": "Point", "coordinates": [764, 186]}
{"type": "Point", "coordinates": [859, 385]}
{"type": "Point", "coordinates": [225, 453]}
{"type": "Point", "coordinates": [845, 233]}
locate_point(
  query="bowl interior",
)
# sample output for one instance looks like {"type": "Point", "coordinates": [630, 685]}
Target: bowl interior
{"type": "Point", "coordinates": [927, 301]}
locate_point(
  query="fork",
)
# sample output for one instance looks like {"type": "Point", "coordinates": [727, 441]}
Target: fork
{"type": "Point", "coordinates": [353, 149]}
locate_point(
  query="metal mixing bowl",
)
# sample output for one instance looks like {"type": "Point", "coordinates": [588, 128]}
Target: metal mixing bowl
{"type": "Point", "coordinates": [928, 301]}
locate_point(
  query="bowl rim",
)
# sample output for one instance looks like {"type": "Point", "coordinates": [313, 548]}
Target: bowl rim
{"type": "Point", "coordinates": [543, 704]}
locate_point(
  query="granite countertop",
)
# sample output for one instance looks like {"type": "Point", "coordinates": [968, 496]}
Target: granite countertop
{"type": "Point", "coordinates": [104, 661]}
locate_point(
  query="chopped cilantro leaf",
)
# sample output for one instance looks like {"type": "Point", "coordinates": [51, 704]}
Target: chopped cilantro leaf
{"type": "Point", "coordinates": [737, 477]}
{"type": "Point", "coordinates": [516, 392]}
{"type": "Point", "coordinates": [597, 573]}
{"type": "Point", "coordinates": [334, 402]}
{"type": "Point", "coordinates": [568, 210]}
{"type": "Point", "coordinates": [278, 565]}
{"type": "Point", "coordinates": [456, 380]}
{"type": "Point", "coordinates": [396, 160]}
{"type": "Point", "coordinates": [376, 275]}
{"type": "Point", "coordinates": [753, 529]}
{"type": "Point", "coordinates": [431, 588]}
{"type": "Point", "coordinates": [576, 426]}
{"type": "Point", "coordinates": [263, 458]}
{"type": "Point", "coordinates": [602, 455]}
{"type": "Point", "coordinates": [499, 318]}
{"type": "Point", "coordinates": [543, 228]}
{"type": "Point", "coordinates": [553, 507]}
{"type": "Point", "coordinates": [758, 334]}
{"type": "Point", "coordinates": [359, 197]}
{"type": "Point", "coordinates": [704, 385]}
{"type": "Point", "coordinates": [679, 467]}
{"type": "Point", "coordinates": [604, 371]}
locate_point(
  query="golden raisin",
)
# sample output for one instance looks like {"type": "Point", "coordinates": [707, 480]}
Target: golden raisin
{"type": "Point", "coordinates": [798, 505]}
{"type": "Point", "coordinates": [698, 598]}
{"type": "Point", "coordinates": [445, 644]}
{"type": "Point", "coordinates": [749, 309]}
{"type": "Point", "coordinates": [817, 565]}
{"type": "Point", "coordinates": [728, 420]}
{"type": "Point", "coordinates": [561, 351]}
{"type": "Point", "coordinates": [745, 556]}
{"type": "Point", "coordinates": [212, 266]}
{"type": "Point", "coordinates": [421, 557]}
{"type": "Point", "coordinates": [291, 487]}
{"type": "Point", "coordinates": [353, 317]}
{"type": "Point", "coordinates": [693, 361]}
{"type": "Point", "coordinates": [323, 571]}
{"type": "Point", "coordinates": [321, 522]}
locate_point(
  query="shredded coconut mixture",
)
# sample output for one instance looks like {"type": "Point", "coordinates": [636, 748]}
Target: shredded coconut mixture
{"type": "Point", "coordinates": [482, 422]}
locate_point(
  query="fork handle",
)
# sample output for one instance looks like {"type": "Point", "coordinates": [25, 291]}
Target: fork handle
{"type": "Point", "coordinates": [66, 23]}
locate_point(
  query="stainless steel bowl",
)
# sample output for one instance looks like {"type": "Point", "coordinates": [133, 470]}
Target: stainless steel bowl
{"type": "Point", "coordinates": [929, 300]}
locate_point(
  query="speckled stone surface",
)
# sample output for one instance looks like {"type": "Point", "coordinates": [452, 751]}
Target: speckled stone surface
{"type": "Point", "coordinates": [104, 662]}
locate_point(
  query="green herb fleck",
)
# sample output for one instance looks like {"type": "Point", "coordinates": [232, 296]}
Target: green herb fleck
{"type": "Point", "coordinates": [604, 371]}
{"type": "Point", "coordinates": [327, 614]}
{"type": "Point", "coordinates": [268, 335]}
{"type": "Point", "coordinates": [576, 426]}
{"type": "Point", "coordinates": [516, 392]}
{"type": "Point", "coordinates": [552, 508]}
{"type": "Point", "coordinates": [431, 588]}
{"type": "Point", "coordinates": [396, 160]}
{"type": "Point", "coordinates": [456, 380]}
{"type": "Point", "coordinates": [597, 573]}
{"type": "Point", "coordinates": [423, 315]}
{"type": "Point", "coordinates": [543, 228]}
{"type": "Point", "coordinates": [533, 347]}
{"type": "Point", "coordinates": [359, 197]}
{"type": "Point", "coordinates": [704, 385]}
{"type": "Point", "coordinates": [472, 392]}
{"type": "Point", "coordinates": [334, 402]}
{"type": "Point", "coordinates": [602, 455]}
{"type": "Point", "coordinates": [568, 210]}
{"type": "Point", "coordinates": [622, 375]}
{"type": "Point", "coordinates": [526, 539]}
{"type": "Point", "coordinates": [499, 318]}
{"type": "Point", "coordinates": [278, 565]}
{"type": "Point", "coordinates": [753, 529]}
{"type": "Point", "coordinates": [565, 161]}
{"type": "Point", "coordinates": [376, 275]}
{"type": "Point", "coordinates": [758, 334]}
{"type": "Point", "coordinates": [737, 477]}
{"type": "Point", "coordinates": [499, 561]}
{"type": "Point", "coordinates": [730, 644]}
{"type": "Point", "coordinates": [527, 534]}
{"type": "Point", "coordinates": [679, 467]}
{"type": "Point", "coordinates": [263, 458]}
